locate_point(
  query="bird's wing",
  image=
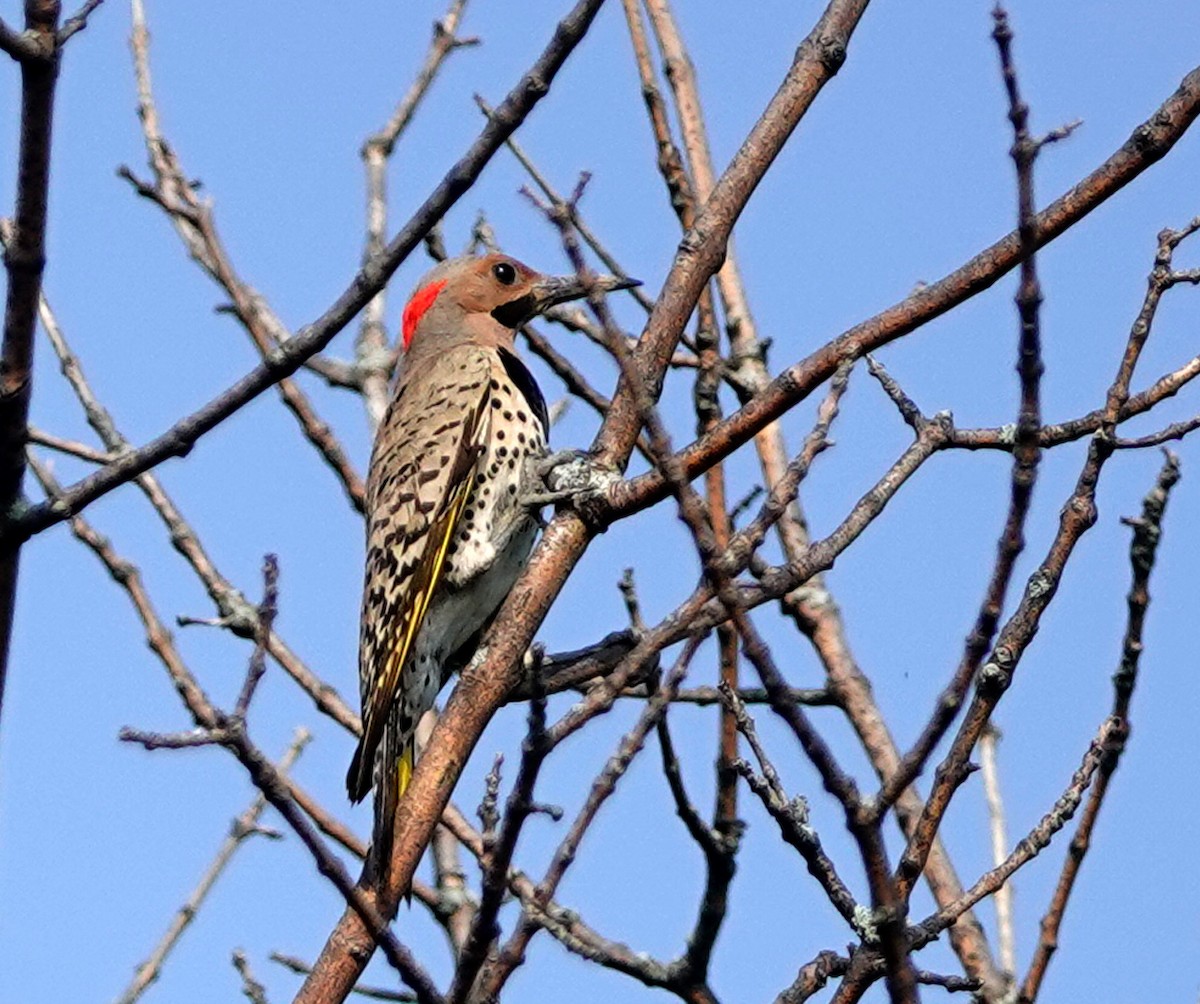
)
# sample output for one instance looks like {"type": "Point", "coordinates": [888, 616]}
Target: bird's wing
{"type": "Point", "coordinates": [419, 484]}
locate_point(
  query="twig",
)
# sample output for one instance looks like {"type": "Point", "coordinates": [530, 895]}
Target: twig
{"type": "Point", "coordinates": [886, 919]}
{"type": "Point", "coordinates": [372, 360]}
{"type": "Point", "coordinates": [710, 530]}
{"type": "Point", "coordinates": [1176, 430]}
{"type": "Point", "coordinates": [195, 223]}
{"type": "Point", "coordinates": [707, 839]}
{"type": "Point", "coordinates": [813, 976]}
{"type": "Point", "coordinates": [499, 846]}
{"type": "Point", "coordinates": [252, 990]}
{"type": "Point", "coordinates": [451, 901]}
{"type": "Point", "coordinates": [230, 733]}
{"type": "Point", "coordinates": [77, 21]}
{"type": "Point", "coordinates": [907, 407]}
{"type": "Point", "coordinates": [539, 179]}
{"type": "Point", "coordinates": [813, 696]}
{"type": "Point", "coordinates": [811, 605]}
{"type": "Point", "coordinates": [71, 447]}
{"type": "Point", "coordinates": [497, 970]}
{"type": "Point", "coordinates": [244, 826]}
{"type": "Point", "coordinates": [1147, 530]}
{"type": "Point", "coordinates": [791, 815]}
{"type": "Point", "coordinates": [1026, 454]}
{"type": "Point", "coordinates": [703, 610]}
{"type": "Point", "coordinates": [564, 925]}
{"type": "Point", "coordinates": [24, 263]}
{"type": "Point", "coordinates": [284, 360]}
{"type": "Point", "coordinates": [995, 803]}
{"type": "Point", "coordinates": [373, 993]}
{"type": "Point", "coordinates": [1149, 142]}
{"type": "Point", "coordinates": [214, 727]}
{"type": "Point", "coordinates": [1036, 841]}
{"type": "Point", "coordinates": [234, 611]}
{"type": "Point", "coordinates": [629, 595]}
{"type": "Point", "coordinates": [266, 619]}
{"type": "Point", "coordinates": [1078, 515]}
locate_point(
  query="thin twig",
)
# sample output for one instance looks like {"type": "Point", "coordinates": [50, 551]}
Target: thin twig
{"type": "Point", "coordinates": [372, 993]}
{"type": "Point", "coordinates": [266, 619]}
{"type": "Point", "coordinates": [77, 21]}
{"type": "Point", "coordinates": [1026, 452]}
{"type": "Point", "coordinates": [1034, 842]}
{"type": "Point", "coordinates": [195, 222]}
{"type": "Point", "coordinates": [284, 360]}
{"type": "Point", "coordinates": [791, 815]}
{"type": "Point", "coordinates": [1078, 515]}
{"type": "Point", "coordinates": [1147, 531]}
{"type": "Point", "coordinates": [252, 990]}
{"type": "Point", "coordinates": [496, 972]}
{"type": "Point", "coordinates": [244, 826]}
{"type": "Point", "coordinates": [234, 611]}
{"type": "Point", "coordinates": [1003, 899]}
{"type": "Point", "coordinates": [215, 727]}
{"type": "Point", "coordinates": [373, 361]}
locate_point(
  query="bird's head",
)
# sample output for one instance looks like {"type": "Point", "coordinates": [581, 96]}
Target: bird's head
{"type": "Point", "coordinates": [485, 299]}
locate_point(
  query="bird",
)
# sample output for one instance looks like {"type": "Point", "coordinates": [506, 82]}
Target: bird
{"type": "Point", "coordinates": [448, 525]}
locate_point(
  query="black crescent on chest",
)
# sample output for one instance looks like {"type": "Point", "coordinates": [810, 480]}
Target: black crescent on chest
{"type": "Point", "coordinates": [523, 380]}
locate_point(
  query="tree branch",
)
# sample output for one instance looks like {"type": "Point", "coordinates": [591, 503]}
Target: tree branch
{"type": "Point", "coordinates": [284, 360]}
{"type": "Point", "coordinates": [24, 261]}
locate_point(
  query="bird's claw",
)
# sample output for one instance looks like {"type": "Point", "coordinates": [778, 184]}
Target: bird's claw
{"type": "Point", "coordinates": [565, 476]}
{"type": "Point", "coordinates": [552, 462]}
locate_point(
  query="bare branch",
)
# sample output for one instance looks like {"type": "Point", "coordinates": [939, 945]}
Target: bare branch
{"type": "Point", "coordinates": [1147, 530]}
{"type": "Point", "coordinates": [24, 263]}
{"type": "Point", "coordinates": [1003, 898]}
{"type": "Point", "coordinates": [791, 815]}
{"type": "Point", "coordinates": [77, 21]}
{"type": "Point", "coordinates": [252, 990]}
{"type": "Point", "coordinates": [284, 360]}
{"type": "Point", "coordinates": [373, 993]}
{"type": "Point", "coordinates": [1078, 516]}
{"type": "Point", "coordinates": [1149, 142]}
{"type": "Point", "coordinates": [17, 45]}
{"type": "Point", "coordinates": [215, 727]}
{"type": "Point", "coordinates": [266, 618]}
{"type": "Point", "coordinates": [372, 361]}
{"type": "Point", "coordinates": [244, 826]}
{"type": "Point", "coordinates": [1026, 454]}
{"type": "Point", "coordinates": [1037, 840]}
{"type": "Point", "coordinates": [194, 221]}
{"type": "Point", "coordinates": [496, 972]}
{"type": "Point", "coordinates": [233, 610]}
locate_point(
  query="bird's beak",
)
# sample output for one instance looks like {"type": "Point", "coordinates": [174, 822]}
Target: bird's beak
{"type": "Point", "coordinates": [552, 289]}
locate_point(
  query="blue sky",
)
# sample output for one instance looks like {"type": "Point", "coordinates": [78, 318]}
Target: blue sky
{"type": "Point", "coordinates": [898, 175]}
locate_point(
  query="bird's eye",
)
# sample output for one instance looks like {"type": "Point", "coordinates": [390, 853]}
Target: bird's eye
{"type": "Point", "coordinates": [505, 274]}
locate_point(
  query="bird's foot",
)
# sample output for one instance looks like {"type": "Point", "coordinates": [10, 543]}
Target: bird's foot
{"type": "Point", "coordinates": [565, 476]}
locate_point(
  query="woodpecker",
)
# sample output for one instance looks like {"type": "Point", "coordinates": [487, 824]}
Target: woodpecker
{"type": "Point", "coordinates": [448, 529]}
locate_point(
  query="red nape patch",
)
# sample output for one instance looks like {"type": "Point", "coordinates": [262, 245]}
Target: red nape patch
{"type": "Point", "coordinates": [421, 301]}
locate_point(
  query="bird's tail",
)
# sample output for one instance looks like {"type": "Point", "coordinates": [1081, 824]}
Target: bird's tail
{"type": "Point", "coordinates": [395, 767]}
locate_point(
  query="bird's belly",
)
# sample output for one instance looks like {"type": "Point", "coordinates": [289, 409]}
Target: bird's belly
{"type": "Point", "coordinates": [458, 613]}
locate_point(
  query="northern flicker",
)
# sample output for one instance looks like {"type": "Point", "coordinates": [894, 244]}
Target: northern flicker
{"type": "Point", "coordinates": [447, 527]}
